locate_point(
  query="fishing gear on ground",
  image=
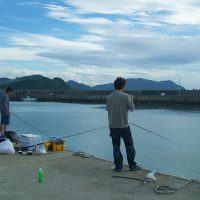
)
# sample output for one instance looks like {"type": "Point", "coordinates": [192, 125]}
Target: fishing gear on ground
{"type": "Point", "coordinates": [158, 189]}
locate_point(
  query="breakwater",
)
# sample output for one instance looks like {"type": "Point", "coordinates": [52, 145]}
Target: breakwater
{"type": "Point", "coordinates": [186, 97]}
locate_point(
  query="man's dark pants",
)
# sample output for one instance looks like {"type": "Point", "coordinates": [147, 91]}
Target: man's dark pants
{"type": "Point", "coordinates": [116, 135]}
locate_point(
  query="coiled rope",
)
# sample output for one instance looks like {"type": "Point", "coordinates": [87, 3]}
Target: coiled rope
{"type": "Point", "coordinates": [159, 189]}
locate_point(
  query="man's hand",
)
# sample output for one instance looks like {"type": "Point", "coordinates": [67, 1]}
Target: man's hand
{"type": "Point", "coordinates": [131, 105]}
{"type": "Point", "coordinates": [132, 97]}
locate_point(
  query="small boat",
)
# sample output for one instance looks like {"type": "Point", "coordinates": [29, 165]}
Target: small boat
{"type": "Point", "coordinates": [29, 99]}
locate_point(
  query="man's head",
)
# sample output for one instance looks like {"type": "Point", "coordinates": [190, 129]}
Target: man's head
{"type": "Point", "coordinates": [120, 83]}
{"type": "Point", "coordinates": [9, 90]}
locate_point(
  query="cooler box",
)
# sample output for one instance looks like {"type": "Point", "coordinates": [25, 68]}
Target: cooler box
{"type": "Point", "coordinates": [27, 140]}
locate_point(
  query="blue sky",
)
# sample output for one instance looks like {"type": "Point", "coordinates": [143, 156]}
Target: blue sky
{"type": "Point", "coordinates": [95, 41]}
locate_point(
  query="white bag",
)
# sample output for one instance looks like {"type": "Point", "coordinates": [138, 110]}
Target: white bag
{"type": "Point", "coordinates": [6, 147]}
{"type": "Point", "coordinates": [40, 149]}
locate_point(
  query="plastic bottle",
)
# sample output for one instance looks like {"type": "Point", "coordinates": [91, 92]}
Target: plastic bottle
{"type": "Point", "coordinates": [40, 175]}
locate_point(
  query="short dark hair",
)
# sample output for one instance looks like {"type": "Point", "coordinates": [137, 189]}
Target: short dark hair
{"type": "Point", "coordinates": [9, 89]}
{"type": "Point", "coordinates": [119, 83]}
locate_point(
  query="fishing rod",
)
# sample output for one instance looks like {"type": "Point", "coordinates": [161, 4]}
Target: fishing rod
{"type": "Point", "coordinates": [29, 124]}
{"type": "Point", "coordinates": [103, 127]}
{"type": "Point", "coordinates": [80, 133]}
{"type": "Point", "coordinates": [75, 134]}
{"type": "Point", "coordinates": [163, 137]}
{"type": "Point", "coordinates": [95, 129]}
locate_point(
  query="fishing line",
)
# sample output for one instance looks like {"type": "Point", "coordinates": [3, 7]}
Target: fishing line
{"type": "Point", "coordinates": [95, 129]}
{"type": "Point", "coordinates": [75, 134]}
{"type": "Point", "coordinates": [163, 137]}
{"type": "Point", "coordinates": [80, 133]}
{"type": "Point", "coordinates": [30, 125]}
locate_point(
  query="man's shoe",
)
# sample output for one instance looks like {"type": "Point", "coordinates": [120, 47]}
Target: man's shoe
{"type": "Point", "coordinates": [116, 169]}
{"type": "Point", "coordinates": [135, 168]}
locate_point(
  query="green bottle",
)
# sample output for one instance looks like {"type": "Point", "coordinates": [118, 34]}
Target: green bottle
{"type": "Point", "coordinates": [40, 175]}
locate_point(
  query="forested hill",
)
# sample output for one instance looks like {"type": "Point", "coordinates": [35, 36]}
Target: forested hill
{"type": "Point", "coordinates": [35, 82]}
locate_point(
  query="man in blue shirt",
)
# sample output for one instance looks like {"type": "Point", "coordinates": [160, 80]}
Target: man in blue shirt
{"type": "Point", "coordinates": [5, 111]}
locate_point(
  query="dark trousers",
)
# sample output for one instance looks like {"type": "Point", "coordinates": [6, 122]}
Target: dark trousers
{"type": "Point", "coordinates": [116, 135]}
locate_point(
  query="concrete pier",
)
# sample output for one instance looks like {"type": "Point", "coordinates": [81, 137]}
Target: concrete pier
{"type": "Point", "coordinates": [69, 177]}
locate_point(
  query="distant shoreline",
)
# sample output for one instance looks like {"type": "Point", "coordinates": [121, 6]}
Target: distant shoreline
{"type": "Point", "coordinates": [187, 97]}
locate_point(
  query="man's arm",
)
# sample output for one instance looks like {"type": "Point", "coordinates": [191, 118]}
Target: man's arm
{"type": "Point", "coordinates": [131, 105]}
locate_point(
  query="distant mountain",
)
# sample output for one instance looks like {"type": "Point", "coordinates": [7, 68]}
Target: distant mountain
{"type": "Point", "coordinates": [144, 84]}
{"type": "Point", "coordinates": [38, 82]}
{"type": "Point", "coordinates": [78, 86]}
{"type": "Point", "coordinates": [32, 77]}
{"type": "Point", "coordinates": [5, 81]}
{"type": "Point", "coordinates": [136, 84]}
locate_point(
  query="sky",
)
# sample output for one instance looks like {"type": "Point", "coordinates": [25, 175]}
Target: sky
{"type": "Point", "coordinates": [95, 41]}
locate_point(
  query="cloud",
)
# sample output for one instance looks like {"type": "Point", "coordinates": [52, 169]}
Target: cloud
{"type": "Point", "coordinates": [56, 29]}
{"type": "Point", "coordinates": [141, 52]}
{"type": "Point", "coordinates": [95, 75]}
{"type": "Point", "coordinates": [123, 50]}
{"type": "Point", "coordinates": [92, 75]}
{"type": "Point", "coordinates": [16, 53]}
{"type": "Point", "coordinates": [50, 42]}
{"type": "Point", "coordinates": [117, 42]}
{"type": "Point", "coordinates": [147, 38]}
{"type": "Point", "coordinates": [13, 72]}
{"type": "Point", "coordinates": [173, 12]}
{"type": "Point", "coordinates": [25, 46]}
{"type": "Point", "coordinates": [67, 15]}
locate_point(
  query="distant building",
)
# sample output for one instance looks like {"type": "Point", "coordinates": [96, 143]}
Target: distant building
{"type": "Point", "coordinates": [162, 94]}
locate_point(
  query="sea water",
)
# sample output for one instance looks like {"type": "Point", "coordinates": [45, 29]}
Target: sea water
{"type": "Point", "coordinates": [181, 125]}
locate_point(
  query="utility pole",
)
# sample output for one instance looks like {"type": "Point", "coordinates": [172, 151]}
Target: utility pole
{"type": "Point", "coordinates": [179, 84]}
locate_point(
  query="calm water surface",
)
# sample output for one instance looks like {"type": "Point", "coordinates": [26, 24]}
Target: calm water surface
{"type": "Point", "coordinates": [153, 152]}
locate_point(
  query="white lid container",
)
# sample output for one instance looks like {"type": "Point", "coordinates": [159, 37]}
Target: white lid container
{"type": "Point", "coordinates": [27, 140]}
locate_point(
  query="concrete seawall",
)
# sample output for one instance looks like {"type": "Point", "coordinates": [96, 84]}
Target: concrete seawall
{"type": "Point", "coordinates": [141, 97]}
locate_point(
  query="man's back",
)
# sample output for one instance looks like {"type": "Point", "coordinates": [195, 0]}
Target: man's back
{"type": "Point", "coordinates": [118, 105]}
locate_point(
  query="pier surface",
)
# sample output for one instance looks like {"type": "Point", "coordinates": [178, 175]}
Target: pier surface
{"type": "Point", "coordinates": [76, 178]}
